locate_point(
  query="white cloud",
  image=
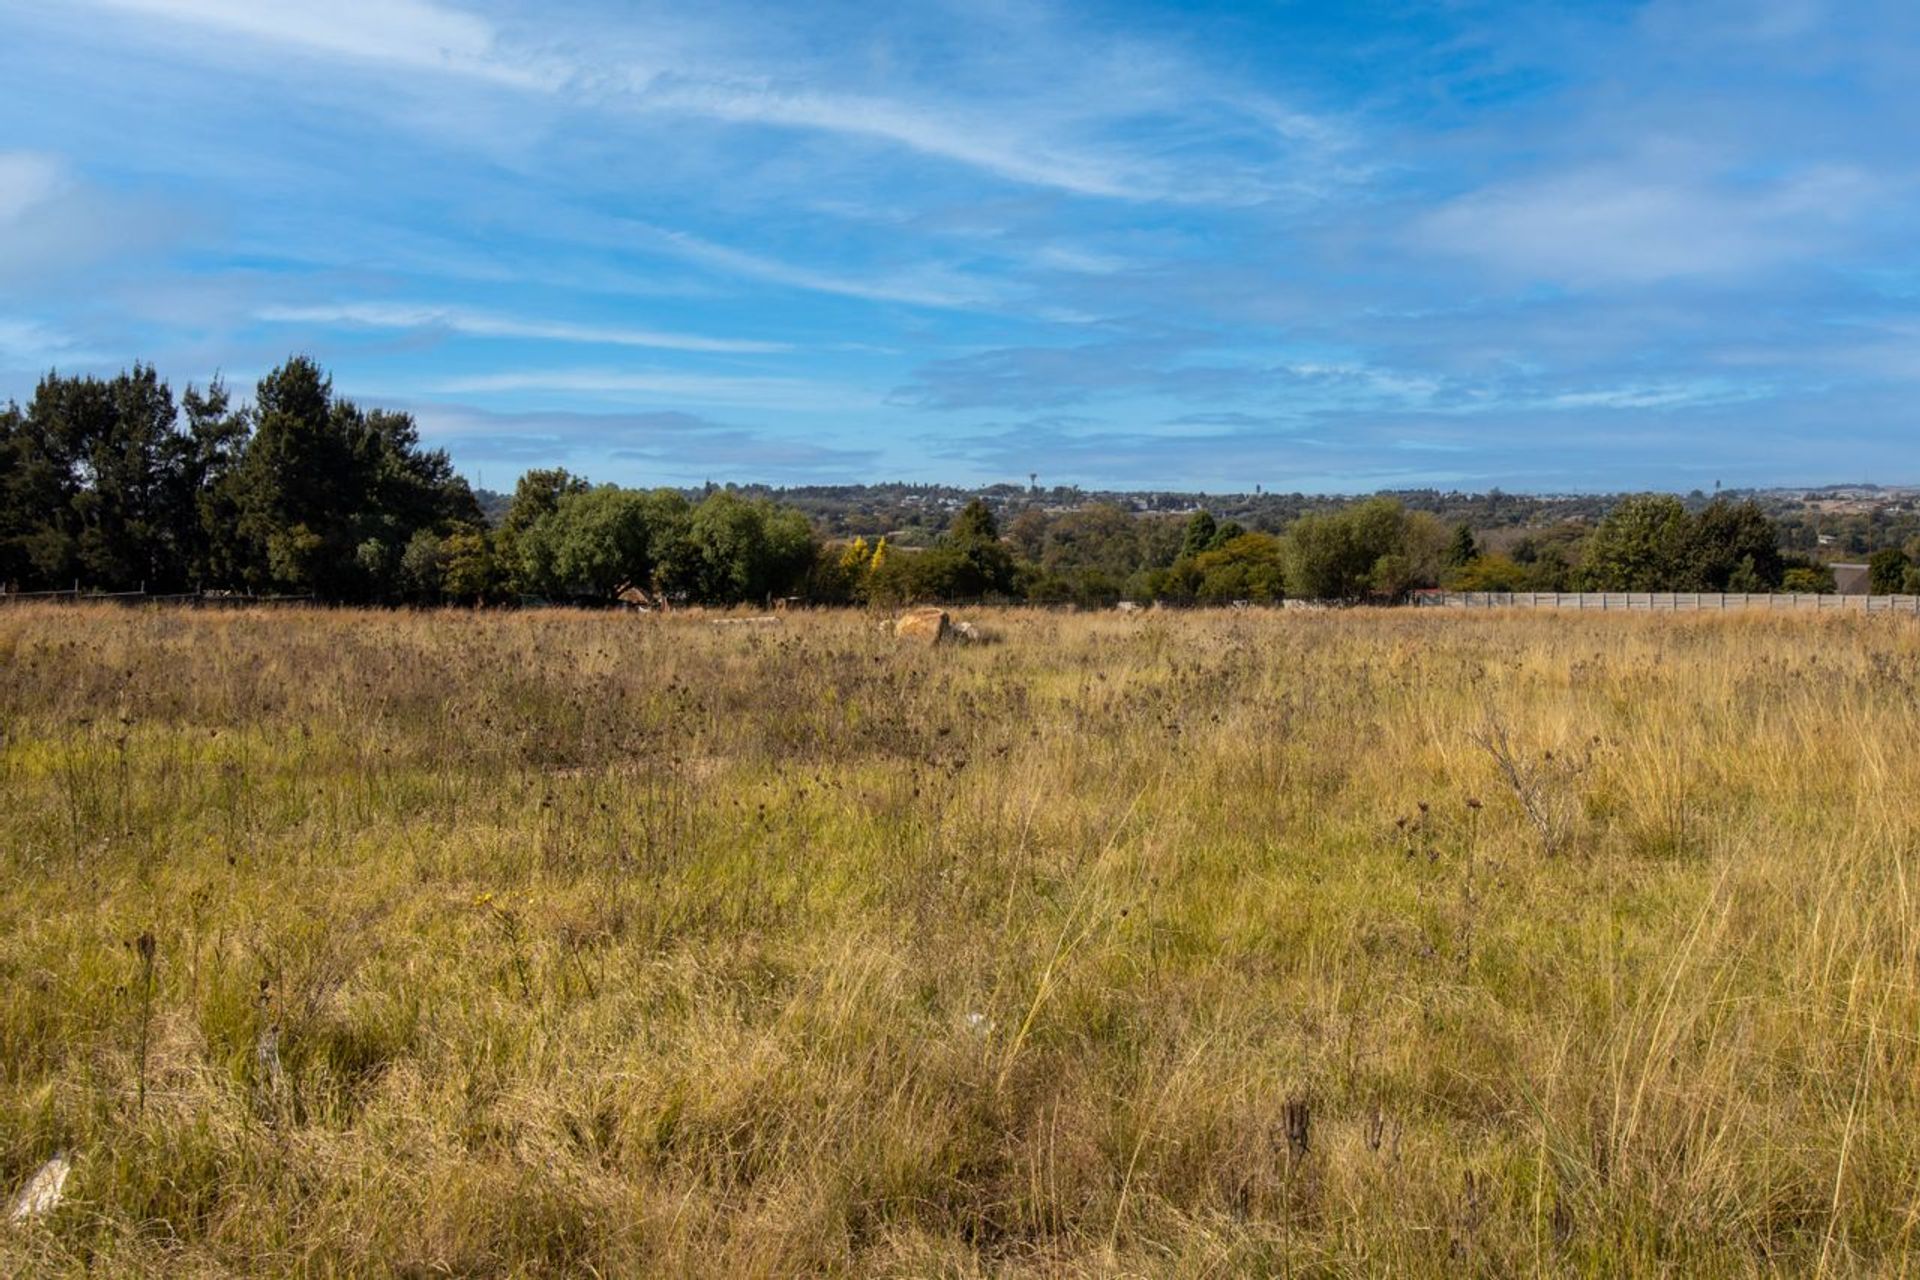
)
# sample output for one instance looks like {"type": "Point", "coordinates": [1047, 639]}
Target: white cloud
{"type": "Point", "coordinates": [1711, 22]}
{"type": "Point", "coordinates": [928, 287]}
{"type": "Point", "coordinates": [798, 394]}
{"type": "Point", "coordinates": [30, 343]}
{"type": "Point", "coordinates": [1618, 225]}
{"type": "Point", "coordinates": [1078, 261]}
{"type": "Point", "coordinates": [670, 443]}
{"type": "Point", "coordinates": [412, 33]}
{"type": "Point", "coordinates": [27, 179]}
{"type": "Point", "coordinates": [480, 324]}
{"type": "Point", "coordinates": [52, 220]}
{"type": "Point", "coordinates": [982, 143]}
{"type": "Point", "coordinates": [1672, 395]}
{"type": "Point", "coordinates": [1042, 134]}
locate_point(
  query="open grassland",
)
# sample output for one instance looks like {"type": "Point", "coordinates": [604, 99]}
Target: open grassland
{"type": "Point", "coordinates": [1209, 944]}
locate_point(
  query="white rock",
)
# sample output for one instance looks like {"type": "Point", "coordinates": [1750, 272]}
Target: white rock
{"type": "Point", "coordinates": [42, 1193]}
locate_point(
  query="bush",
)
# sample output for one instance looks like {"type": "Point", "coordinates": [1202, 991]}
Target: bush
{"type": "Point", "coordinates": [1815, 579]}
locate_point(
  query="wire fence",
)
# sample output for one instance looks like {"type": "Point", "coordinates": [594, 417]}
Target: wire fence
{"type": "Point", "coordinates": [198, 599]}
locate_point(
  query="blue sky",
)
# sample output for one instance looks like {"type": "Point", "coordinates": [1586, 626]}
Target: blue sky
{"type": "Point", "coordinates": [1311, 246]}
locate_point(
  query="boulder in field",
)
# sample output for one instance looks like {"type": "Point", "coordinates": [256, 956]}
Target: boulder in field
{"type": "Point", "coordinates": [924, 626]}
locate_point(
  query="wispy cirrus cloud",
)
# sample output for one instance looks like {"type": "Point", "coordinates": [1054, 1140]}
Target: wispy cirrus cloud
{"type": "Point", "coordinates": [675, 445]}
{"type": "Point", "coordinates": [1039, 139]}
{"type": "Point", "coordinates": [930, 286]}
{"type": "Point", "coordinates": [32, 344]}
{"type": "Point", "coordinates": [1641, 224]}
{"type": "Point", "coordinates": [482, 324]}
{"type": "Point", "coordinates": [793, 394]}
{"type": "Point", "coordinates": [27, 179]}
{"type": "Point", "coordinates": [419, 35]}
{"type": "Point", "coordinates": [1286, 242]}
{"type": "Point", "coordinates": [53, 220]}
{"type": "Point", "coordinates": [1176, 368]}
{"type": "Point", "coordinates": [986, 143]}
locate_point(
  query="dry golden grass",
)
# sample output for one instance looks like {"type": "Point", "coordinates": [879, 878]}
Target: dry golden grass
{"type": "Point", "coordinates": [1211, 944]}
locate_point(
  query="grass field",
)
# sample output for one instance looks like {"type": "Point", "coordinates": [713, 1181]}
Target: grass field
{"type": "Point", "coordinates": [1202, 944]}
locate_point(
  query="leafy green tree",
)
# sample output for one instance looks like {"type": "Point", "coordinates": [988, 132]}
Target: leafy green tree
{"type": "Point", "coordinates": [893, 578]}
{"type": "Point", "coordinates": [1027, 533]}
{"type": "Point", "coordinates": [740, 549]}
{"type": "Point", "coordinates": [1420, 560]}
{"type": "Point", "coordinates": [1489, 573]}
{"type": "Point", "coordinates": [838, 573]}
{"type": "Point", "coordinates": [1723, 539]}
{"type": "Point", "coordinates": [1157, 541]}
{"type": "Point", "coordinates": [1094, 589]}
{"type": "Point", "coordinates": [1548, 556]}
{"type": "Point", "coordinates": [535, 496]}
{"type": "Point", "coordinates": [1641, 545]}
{"type": "Point", "coordinates": [293, 486]}
{"type": "Point", "coordinates": [1394, 575]}
{"type": "Point", "coordinates": [408, 487]}
{"type": "Point", "coordinates": [98, 482]}
{"type": "Point", "coordinates": [605, 539]}
{"type": "Point", "coordinates": [38, 519]}
{"type": "Point", "coordinates": [1462, 549]}
{"type": "Point", "coordinates": [127, 451]}
{"type": "Point", "coordinates": [1887, 571]}
{"type": "Point", "coordinates": [977, 562]}
{"type": "Point", "coordinates": [1339, 555]}
{"type": "Point", "coordinates": [70, 424]}
{"type": "Point", "coordinates": [1548, 570]}
{"type": "Point", "coordinates": [974, 524]}
{"type": "Point", "coordinates": [216, 438]}
{"type": "Point", "coordinates": [296, 556]}
{"type": "Point", "coordinates": [470, 571]}
{"type": "Point", "coordinates": [1746, 578]}
{"type": "Point", "coordinates": [1099, 538]}
{"type": "Point", "coordinates": [1200, 531]}
{"type": "Point", "coordinates": [12, 561]}
{"type": "Point", "coordinates": [328, 497]}
{"type": "Point", "coordinates": [940, 572]}
{"type": "Point", "coordinates": [1248, 567]}
{"type": "Point", "coordinates": [423, 566]}
{"type": "Point", "coordinates": [593, 540]}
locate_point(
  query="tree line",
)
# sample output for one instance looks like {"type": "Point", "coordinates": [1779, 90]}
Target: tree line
{"type": "Point", "coordinates": [116, 484]}
{"type": "Point", "coordinates": [113, 483]}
